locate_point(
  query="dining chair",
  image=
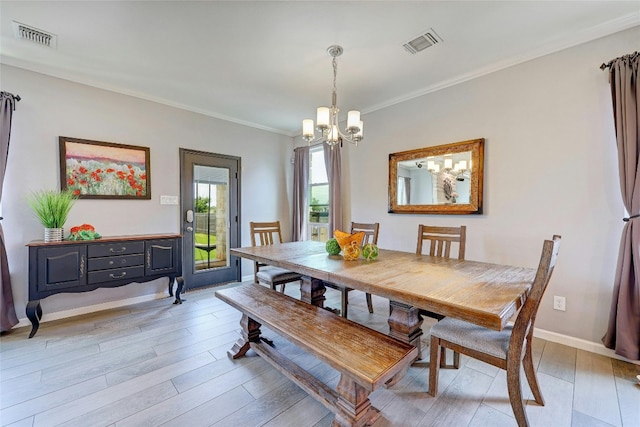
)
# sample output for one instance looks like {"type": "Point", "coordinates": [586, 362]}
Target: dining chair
{"type": "Point", "coordinates": [504, 349]}
{"type": "Point", "coordinates": [268, 233]}
{"type": "Point", "coordinates": [370, 236]}
{"type": "Point", "coordinates": [440, 241]}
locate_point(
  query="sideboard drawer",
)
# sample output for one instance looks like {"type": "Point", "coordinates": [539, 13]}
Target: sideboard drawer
{"type": "Point", "coordinates": [121, 261]}
{"type": "Point", "coordinates": [128, 273]}
{"type": "Point", "coordinates": [111, 249]}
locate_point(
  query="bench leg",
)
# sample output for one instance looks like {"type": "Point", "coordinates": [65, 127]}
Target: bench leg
{"type": "Point", "coordinates": [312, 291]}
{"type": "Point", "coordinates": [250, 333]}
{"type": "Point", "coordinates": [353, 405]}
{"type": "Point", "coordinates": [404, 324]}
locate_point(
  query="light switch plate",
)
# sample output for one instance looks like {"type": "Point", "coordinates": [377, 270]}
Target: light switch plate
{"type": "Point", "coordinates": [168, 200]}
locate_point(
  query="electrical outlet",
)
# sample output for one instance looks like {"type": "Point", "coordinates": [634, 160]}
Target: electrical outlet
{"type": "Point", "coordinates": [559, 303]}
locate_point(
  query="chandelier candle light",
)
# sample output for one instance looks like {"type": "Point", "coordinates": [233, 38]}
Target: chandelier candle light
{"type": "Point", "coordinates": [327, 117]}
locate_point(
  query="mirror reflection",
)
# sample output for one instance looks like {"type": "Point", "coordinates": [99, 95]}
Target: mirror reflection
{"type": "Point", "coordinates": [435, 180]}
{"type": "Point", "coordinates": [440, 179]}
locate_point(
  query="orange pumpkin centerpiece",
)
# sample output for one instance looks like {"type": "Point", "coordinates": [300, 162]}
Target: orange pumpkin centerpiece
{"type": "Point", "coordinates": [349, 243]}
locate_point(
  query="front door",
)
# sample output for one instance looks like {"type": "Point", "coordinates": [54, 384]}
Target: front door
{"type": "Point", "coordinates": [210, 205]}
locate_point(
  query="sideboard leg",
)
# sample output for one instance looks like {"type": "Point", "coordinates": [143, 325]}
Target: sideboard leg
{"type": "Point", "coordinates": [171, 279]}
{"type": "Point", "coordinates": [34, 314]}
{"type": "Point", "coordinates": [180, 282]}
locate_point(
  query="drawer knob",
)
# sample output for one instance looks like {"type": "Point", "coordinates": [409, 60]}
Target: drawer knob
{"type": "Point", "coordinates": [113, 276]}
{"type": "Point", "coordinates": [122, 249]}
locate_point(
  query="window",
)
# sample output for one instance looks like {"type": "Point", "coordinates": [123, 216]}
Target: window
{"type": "Point", "coordinates": [318, 196]}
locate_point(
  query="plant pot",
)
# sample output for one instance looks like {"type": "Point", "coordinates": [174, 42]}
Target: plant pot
{"type": "Point", "coordinates": [53, 234]}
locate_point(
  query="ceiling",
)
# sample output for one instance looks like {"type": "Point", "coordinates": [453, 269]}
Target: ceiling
{"type": "Point", "coordinates": [265, 64]}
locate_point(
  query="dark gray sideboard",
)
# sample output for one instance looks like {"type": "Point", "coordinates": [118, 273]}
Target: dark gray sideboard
{"type": "Point", "coordinates": [85, 265]}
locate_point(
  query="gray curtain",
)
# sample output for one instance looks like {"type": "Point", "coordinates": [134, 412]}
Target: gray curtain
{"type": "Point", "coordinates": [300, 190]}
{"type": "Point", "coordinates": [8, 316]}
{"type": "Point", "coordinates": [623, 332]}
{"type": "Point", "coordinates": [333, 164]}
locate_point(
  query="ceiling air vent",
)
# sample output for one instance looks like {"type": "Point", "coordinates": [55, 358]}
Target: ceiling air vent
{"type": "Point", "coordinates": [34, 35]}
{"type": "Point", "coordinates": [426, 39]}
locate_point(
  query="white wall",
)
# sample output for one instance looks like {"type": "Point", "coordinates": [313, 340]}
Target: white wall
{"type": "Point", "coordinates": [550, 168]}
{"type": "Point", "coordinates": [52, 107]}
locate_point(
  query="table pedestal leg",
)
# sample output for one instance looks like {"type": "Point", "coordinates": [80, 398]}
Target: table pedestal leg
{"type": "Point", "coordinates": [312, 291]}
{"type": "Point", "coordinates": [404, 323]}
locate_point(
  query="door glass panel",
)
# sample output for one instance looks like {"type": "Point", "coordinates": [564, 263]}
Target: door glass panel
{"type": "Point", "coordinates": [211, 217]}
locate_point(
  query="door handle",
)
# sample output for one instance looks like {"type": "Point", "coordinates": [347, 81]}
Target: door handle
{"type": "Point", "coordinates": [189, 228]}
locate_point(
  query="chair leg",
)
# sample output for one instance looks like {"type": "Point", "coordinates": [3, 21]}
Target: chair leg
{"type": "Point", "coordinates": [345, 301]}
{"type": "Point", "coordinates": [282, 288]}
{"type": "Point", "coordinates": [369, 303]}
{"type": "Point", "coordinates": [434, 365]}
{"type": "Point", "coordinates": [443, 359]}
{"type": "Point", "coordinates": [530, 372]}
{"type": "Point", "coordinates": [515, 392]}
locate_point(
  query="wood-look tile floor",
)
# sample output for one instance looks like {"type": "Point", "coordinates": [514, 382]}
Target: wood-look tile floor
{"type": "Point", "coordinates": [159, 364]}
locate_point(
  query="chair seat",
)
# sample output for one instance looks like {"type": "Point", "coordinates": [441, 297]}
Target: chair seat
{"type": "Point", "coordinates": [488, 341]}
{"type": "Point", "coordinates": [272, 274]}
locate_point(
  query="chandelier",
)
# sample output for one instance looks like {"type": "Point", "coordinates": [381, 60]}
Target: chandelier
{"type": "Point", "coordinates": [327, 117]}
{"type": "Point", "coordinates": [460, 170]}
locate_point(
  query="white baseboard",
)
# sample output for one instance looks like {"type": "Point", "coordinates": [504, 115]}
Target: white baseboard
{"type": "Point", "coordinates": [593, 347]}
{"type": "Point", "coordinates": [48, 317]}
{"type": "Point", "coordinates": [579, 343]}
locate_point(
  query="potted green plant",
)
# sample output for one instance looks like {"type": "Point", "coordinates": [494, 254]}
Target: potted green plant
{"type": "Point", "coordinates": [52, 208]}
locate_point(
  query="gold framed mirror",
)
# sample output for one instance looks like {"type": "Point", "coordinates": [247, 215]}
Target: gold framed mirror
{"type": "Point", "coordinates": [444, 179]}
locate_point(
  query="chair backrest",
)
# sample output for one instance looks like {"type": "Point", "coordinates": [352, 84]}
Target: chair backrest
{"type": "Point", "coordinates": [370, 231]}
{"type": "Point", "coordinates": [265, 233]}
{"type": "Point", "coordinates": [441, 240]}
{"type": "Point", "coordinates": [526, 318]}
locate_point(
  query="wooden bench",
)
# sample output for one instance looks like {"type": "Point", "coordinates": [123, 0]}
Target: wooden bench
{"type": "Point", "coordinates": [366, 359]}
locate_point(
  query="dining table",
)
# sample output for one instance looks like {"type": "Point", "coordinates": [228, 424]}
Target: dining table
{"type": "Point", "coordinates": [482, 293]}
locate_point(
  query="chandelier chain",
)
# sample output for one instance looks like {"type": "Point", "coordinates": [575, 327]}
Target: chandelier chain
{"type": "Point", "coordinates": [335, 86]}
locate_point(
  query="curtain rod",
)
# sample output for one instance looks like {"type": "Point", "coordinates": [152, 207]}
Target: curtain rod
{"type": "Point", "coordinates": [16, 97]}
{"type": "Point", "coordinates": [631, 56]}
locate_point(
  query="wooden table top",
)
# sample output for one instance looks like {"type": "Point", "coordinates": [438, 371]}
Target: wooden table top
{"type": "Point", "coordinates": [483, 293]}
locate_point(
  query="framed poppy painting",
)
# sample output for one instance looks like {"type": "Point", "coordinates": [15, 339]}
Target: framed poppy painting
{"type": "Point", "coordinates": [104, 170]}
